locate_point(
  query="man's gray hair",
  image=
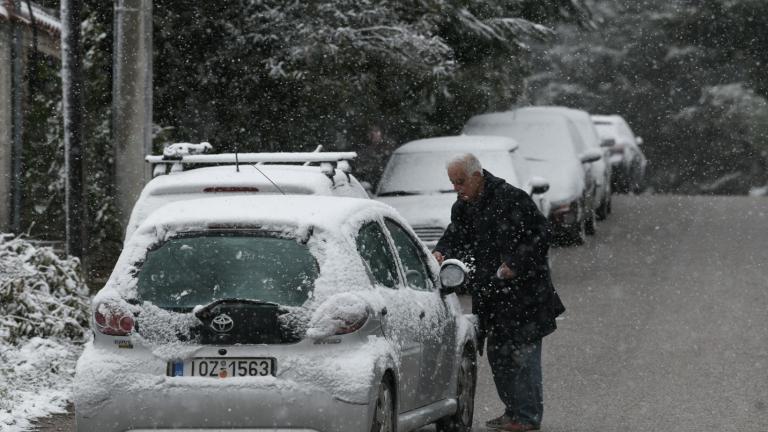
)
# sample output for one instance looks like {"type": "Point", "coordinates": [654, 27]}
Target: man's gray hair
{"type": "Point", "coordinates": [466, 161]}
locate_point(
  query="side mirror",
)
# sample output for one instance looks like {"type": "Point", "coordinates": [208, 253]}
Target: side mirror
{"type": "Point", "coordinates": [607, 142]}
{"type": "Point", "coordinates": [539, 185]}
{"type": "Point", "coordinates": [591, 155]}
{"type": "Point", "coordinates": [639, 140]}
{"type": "Point", "coordinates": [453, 273]}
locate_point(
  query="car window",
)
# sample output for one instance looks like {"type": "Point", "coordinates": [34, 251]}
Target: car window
{"type": "Point", "coordinates": [374, 249]}
{"type": "Point", "coordinates": [197, 270]}
{"type": "Point", "coordinates": [416, 274]}
{"type": "Point", "coordinates": [578, 142]}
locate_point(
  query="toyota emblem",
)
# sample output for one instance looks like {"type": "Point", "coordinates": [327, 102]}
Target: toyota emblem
{"type": "Point", "coordinates": [222, 323]}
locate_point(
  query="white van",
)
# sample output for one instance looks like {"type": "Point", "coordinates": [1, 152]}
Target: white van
{"type": "Point", "coordinates": [308, 173]}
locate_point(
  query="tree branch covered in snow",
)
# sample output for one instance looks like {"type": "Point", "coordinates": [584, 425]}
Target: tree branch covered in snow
{"type": "Point", "coordinates": [40, 294]}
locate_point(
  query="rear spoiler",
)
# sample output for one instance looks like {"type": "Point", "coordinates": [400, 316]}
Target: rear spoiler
{"type": "Point", "coordinates": [176, 155]}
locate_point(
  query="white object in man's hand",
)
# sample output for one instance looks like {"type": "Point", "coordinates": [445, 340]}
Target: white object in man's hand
{"type": "Point", "coordinates": [438, 256]}
{"type": "Point", "coordinates": [504, 272]}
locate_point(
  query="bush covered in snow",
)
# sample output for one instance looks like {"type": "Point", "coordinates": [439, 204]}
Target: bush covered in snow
{"type": "Point", "coordinates": [41, 294]}
{"type": "Point", "coordinates": [43, 322]}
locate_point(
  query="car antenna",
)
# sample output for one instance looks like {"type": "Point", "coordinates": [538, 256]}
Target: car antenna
{"type": "Point", "coordinates": [270, 180]}
{"type": "Point", "coordinates": [237, 161]}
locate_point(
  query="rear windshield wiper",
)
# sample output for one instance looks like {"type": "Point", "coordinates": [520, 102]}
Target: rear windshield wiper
{"type": "Point", "coordinates": [205, 311]}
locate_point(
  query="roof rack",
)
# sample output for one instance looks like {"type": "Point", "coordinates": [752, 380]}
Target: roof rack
{"type": "Point", "coordinates": [178, 154]}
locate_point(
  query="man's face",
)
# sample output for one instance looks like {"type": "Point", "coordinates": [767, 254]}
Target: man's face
{"type": "Point", "coordinates": [466, 186]}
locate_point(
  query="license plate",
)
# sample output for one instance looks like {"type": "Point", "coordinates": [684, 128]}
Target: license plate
{"type": "Point", "coordinates": [224, 367]}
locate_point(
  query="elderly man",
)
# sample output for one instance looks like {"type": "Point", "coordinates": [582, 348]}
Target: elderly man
{"type": "Point", "coordinates": [500, 232]}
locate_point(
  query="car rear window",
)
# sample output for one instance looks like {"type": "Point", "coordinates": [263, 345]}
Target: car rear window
{"type": "Point", "coordinates": [196, 270]}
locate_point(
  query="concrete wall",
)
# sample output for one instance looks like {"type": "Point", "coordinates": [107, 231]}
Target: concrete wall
{"type": "Point", "coordinates": [6, 137]}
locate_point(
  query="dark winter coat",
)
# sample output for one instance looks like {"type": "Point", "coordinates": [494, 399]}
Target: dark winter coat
{"type": "Point", "coordinates": [505, 225]}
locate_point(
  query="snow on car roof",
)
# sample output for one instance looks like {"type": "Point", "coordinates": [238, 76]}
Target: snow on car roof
{"type": "Point", "coordinates": [282, 175]}
{"type": "Point", "coordinates": [287, 210]}
{"type": "Point", "coordinates": [459, 143]}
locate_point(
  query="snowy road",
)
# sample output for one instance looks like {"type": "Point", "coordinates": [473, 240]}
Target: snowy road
{"type": "Point", "coordinates": [667, 322]}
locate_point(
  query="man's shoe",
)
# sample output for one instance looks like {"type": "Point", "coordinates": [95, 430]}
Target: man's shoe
{"type": "Point", "coordinates": [498, 421]}
{"type": "Point", "coordinates": [511, 426]}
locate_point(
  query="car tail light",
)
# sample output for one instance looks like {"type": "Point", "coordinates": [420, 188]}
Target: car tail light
{"type": "Point", "coordinates": [347, 325]}
{"type": "Point", "coordinates": [343, 314]}
{"type": "Point", "coordinates": [113, 320]}
{"type": "Point", "coordinates": [566, 214]}
{"type": "Point", "coordinates": [617, 149]}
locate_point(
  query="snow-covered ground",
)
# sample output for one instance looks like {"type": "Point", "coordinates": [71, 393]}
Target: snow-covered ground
{"type": "Point", "coordinates": [43, 324]}
{"type": "Point", "coordinates": [35, 380]}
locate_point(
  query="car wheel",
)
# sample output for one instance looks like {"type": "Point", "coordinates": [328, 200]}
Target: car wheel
{"type": "Point", "coordinates": [602, 211]}
{"type": "Point", "coordinates": [466, 383]}
{"type": "Point", "coordinates": [589, 224]}
{"type": "Point", "coordinates": [574, 235]}
{"type": "Point", "coordinates": [384, 416]}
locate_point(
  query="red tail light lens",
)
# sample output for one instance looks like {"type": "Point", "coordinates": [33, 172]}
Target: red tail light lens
{"type": "Point", "coordinates": [347, 326]}
{"type": "Point", "coordinates": [113, 320]}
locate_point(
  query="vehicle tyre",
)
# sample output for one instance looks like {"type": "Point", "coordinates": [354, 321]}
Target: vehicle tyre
{"type": "Point", "coordinates": [466, 383]}
{"type": "Point", "coordinates": [589, 224]}
{"type": "Point", "coordinates": [384, 414]}
{"type": "Point", "coordinates": [575, 235]}
{"type": "Point", "coordinates": [602, 212]}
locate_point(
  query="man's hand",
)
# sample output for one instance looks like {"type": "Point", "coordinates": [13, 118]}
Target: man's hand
{"type": "Point", "coordinates": [438, 256]}
{"type": "Point", "coordinates": [505, 272]}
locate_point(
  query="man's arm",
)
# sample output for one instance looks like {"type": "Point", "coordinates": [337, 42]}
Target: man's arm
{"type": "Point", "coordinates": [527, 235]}
{"type": "Point", "coordinates": [450, 244]}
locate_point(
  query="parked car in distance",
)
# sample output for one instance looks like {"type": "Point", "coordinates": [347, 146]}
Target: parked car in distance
{"type": "Point", "coordinates": [416, 184]}
{"type": "Point", "coordinates": [554, 149]}
{"type": "Point", "coordinates": [252, 174]}
{"type": "Point", "coordinates": [276, 313]}
{"type": "Point", "coordinates": [600, 169]}
{"type": "Point", "coordinates": [628, 161]}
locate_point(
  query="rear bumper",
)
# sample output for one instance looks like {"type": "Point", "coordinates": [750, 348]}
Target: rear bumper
{"type": "Point", "coordinates": [188, 405]}
{"type": "Point", "coordinates": [130, 390]}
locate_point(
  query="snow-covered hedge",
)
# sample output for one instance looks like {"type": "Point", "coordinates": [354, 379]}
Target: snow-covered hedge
{"type": "Point", "coordinates": [43, 322]}
{"type": "Point", "coordinates": [41, 294]}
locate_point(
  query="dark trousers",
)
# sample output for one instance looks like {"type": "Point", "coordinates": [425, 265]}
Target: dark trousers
{"type": "Point", "coordinates": [517, 374]}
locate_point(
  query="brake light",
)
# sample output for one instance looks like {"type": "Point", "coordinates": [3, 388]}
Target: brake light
{"type": "Point", "coordinates": [349, 325]}
{"type": "Point", "coordinates": [342, 314]}
{"type": "Point", "coordinates": [113, 320]}
{"type": "Point", "coordinates": [617, 149]}
{"type": "Point", "coordinates": [217, 189]}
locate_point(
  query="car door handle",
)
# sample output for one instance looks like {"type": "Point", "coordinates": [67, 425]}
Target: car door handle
{"type": "Point", "coordinates": [422, 315]}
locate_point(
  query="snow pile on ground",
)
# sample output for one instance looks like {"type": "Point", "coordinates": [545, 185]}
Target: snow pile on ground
{"type": "Point", "coordinates": [43, 323]}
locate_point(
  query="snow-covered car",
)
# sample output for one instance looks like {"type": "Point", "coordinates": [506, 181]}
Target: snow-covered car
{"type": "Point", "coordinates": [253, 174]}
{"type": "Point", "coordinates": [554, 150]}
{"type": "Point", "coordinates": [416, 184]}
{"type": "Point", "coordinates": [600, 169]}
{"type": "Point", "coordinates": [277, 313]}
{"type": "Point", "coordinates": [627, 159]}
